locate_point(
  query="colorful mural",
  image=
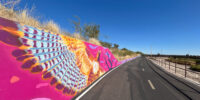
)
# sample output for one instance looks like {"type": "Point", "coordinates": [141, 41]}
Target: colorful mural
{"type": "Point", "coordinates": [40, 65]}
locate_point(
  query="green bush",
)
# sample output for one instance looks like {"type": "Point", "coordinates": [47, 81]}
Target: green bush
{"type": "Point", "coordinates": [106, 44]}
{"type": "Point", "coordinates": [195, 67]}
{"type": "Point", "coordinates": [188, 61]}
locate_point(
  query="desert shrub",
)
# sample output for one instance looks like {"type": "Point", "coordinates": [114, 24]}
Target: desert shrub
{"type": "Point", "coordinates": [195, 67]}
{"type": "Point", "coordinates": [106, 44]}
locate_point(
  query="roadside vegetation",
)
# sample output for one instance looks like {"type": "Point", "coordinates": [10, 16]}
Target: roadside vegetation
{"type": "Point", "coordinates": [123, 53]}
{"type": "Point", "coordinates": [120, 54]}
{"type": "Point", "coordinates": [195, 67]}
{"type": "Point", "coordinates": [194, 63]}
{"type": "Point", "coordinates": [9, 10]}
{"type": "Point", "coordinates": [91, 32]}
{"type": "Point", "coordinates": [87, 32]}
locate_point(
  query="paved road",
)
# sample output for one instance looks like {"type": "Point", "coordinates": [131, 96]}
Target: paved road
{"type": "Point", "coordinates": [140, 79]}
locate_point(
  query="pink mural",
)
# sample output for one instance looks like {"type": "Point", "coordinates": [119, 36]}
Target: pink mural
{"type": "Point", "coordinates": [40, 65]}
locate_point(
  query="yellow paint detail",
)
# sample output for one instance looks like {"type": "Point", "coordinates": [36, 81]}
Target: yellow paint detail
{"type": "Point", "coordinates": [88, 65]}
{"type": "Point", "coordinates": [13, 31]}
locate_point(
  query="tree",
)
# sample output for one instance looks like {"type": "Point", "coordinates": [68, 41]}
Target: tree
{"type": "Point", "coordinates": [88, 31]}
{"type": "Point", "coordinates": [187, 55]}
{"type": "Point", "coordinates": [77, 26]}
{"type": "Point", "coordinates": [124, 49]}
{"type": "Point", "coordinates": [139, 52]}
{"type": "Point", "coordinates": [116, 46]}
{"type": "Point", "coordinates": [91, 31]}
{"type": "Point", "coordinates": [106, 44]}
{"type": "Point", "coordinates": [126, 52]}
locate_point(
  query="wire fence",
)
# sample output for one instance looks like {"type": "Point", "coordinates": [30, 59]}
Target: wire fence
{"type": "Point", "coordinates": [183, 70]}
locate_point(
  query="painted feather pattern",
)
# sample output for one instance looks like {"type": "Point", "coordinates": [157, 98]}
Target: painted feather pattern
{"type": "Point", "coordinates": [48, 54]}
{"type": "Point", "coordinates": [31, 56]}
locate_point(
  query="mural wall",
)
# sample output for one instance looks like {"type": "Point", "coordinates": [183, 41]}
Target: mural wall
{"type": "Point", "coordinates": [40, 65]}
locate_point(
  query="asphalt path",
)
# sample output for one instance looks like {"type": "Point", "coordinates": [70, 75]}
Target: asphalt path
{"type": "Point", "coordinates": [140, 79]}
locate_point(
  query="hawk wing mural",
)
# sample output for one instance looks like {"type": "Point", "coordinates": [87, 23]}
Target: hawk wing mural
{"type": "Point", "coordinates": [63, 64]}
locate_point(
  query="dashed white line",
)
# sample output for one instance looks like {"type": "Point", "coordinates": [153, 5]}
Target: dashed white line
{"type": "Point", "coordinates": [143, 69]}
{"type": "Point", "coordinates": [150, 83]}
{"type": "Point", "coordinates": [81, 95]}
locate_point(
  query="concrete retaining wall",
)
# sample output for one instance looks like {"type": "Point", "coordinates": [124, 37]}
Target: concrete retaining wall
{"type": "Point", "coordinates": [40, 65]}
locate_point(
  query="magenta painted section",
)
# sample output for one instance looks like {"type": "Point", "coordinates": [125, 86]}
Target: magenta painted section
{"type": "Point", "coordinates": [106, 59]}
{"type": "Point", "coordinates": [39, 65]}
{"type": "Point", "coordinates": [123, 61]}
{"type": "Point", "coordinates": [28, 86]}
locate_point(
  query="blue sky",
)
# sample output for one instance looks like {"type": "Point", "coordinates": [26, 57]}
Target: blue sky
{"type": "Point", "coordinates": [166, 26]}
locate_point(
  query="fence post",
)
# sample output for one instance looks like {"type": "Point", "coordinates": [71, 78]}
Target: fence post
{"type": "Point", "coordinates": [199, 77]}
{"type": "Point", "coordinates": [175, 67]}
{"type": "Point", "coordinates": [169, 65]}
{"type": "Point", "coordinates": [160, 62]}
{"type": "Point", "coordinates": [185, 71]}
{"type": "Point", "coordinates": [157, 60]}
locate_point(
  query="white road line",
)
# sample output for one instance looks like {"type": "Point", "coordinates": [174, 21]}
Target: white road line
{"type": "Point", "coordinates": [81, 95]}
{"type": "Point", "coordinates": [151, 85]}
{"type": "Point", "coordinates": [143, 69]}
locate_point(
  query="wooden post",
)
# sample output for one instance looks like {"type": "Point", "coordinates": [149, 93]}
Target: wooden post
{"type": "Point", "coordinates": [199, 77]}
{"type": "Point", "coordinates": [185, 71]}
{"type": "Point", "coordinates": [175, 67]}
{"type": "Point", "coordinates": [160, 62]}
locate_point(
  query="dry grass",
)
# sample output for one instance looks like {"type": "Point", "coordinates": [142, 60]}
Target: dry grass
{"type": "Point", "coordinates": [121, 54]}
{"type": "Point", "coordinates": [52, 26]}
{"type": "Point", "coordinates": [23, 16]}
{"type": "Point", "coordinates": [120, 58]}
{"type": "Point", "coordinates": [91, 40]}
{"type": "Point", "coordinates": [78, 36]}
{"type": "Point", "coordinates": [94, 41]}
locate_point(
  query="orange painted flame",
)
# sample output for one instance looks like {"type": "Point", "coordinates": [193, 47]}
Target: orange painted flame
{"type": "Point", "coordinates": [12, 30]}
{"type": "Point", "coordinates": [87, 64]}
